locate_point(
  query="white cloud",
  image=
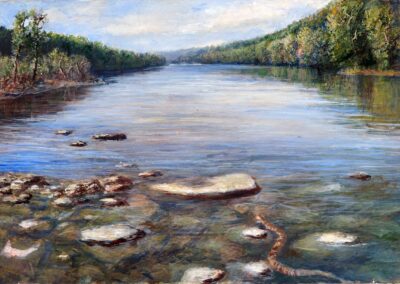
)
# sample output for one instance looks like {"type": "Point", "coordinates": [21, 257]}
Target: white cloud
{"type": "Point", "coordinates": [169, 24]}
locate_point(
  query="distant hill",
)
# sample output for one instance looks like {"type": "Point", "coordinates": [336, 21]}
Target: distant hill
{"type": "Point", "coordinates": [346, 33]}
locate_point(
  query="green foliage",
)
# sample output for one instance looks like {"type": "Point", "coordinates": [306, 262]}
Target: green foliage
{"type": "Point", "coordinates": [379, 22]}
{"type": "Point", "coordinates": [346, 33]}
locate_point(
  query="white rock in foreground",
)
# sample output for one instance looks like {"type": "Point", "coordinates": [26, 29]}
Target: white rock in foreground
{"type": "Point", "coordinates": [212, 187]}
{"type": "Point", "coordinates": [260, 268]}
{"type": "Point", "coordinates": [30, 223]}
{"type": "Point", "coordinates": [202, 275]}
{"type": "Point", "coordinates": [336, 238]}
{"type": "Point", "coordinates": [255, 233]}
{"type": "Point", "coordinates": [110, 234]}
{"type": "Point", "coordinates": [10, 252]}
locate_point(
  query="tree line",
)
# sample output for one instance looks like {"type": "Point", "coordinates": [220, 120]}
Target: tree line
{"type": "Point", "coordinates": [346, 33]}
{"type": "Point", "coordinates": [29, 53]}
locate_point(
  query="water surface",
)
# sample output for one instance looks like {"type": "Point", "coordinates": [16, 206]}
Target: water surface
{"type": "Point", "coordinates": [300, 133]}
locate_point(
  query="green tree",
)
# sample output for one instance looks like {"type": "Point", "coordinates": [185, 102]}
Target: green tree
{"type": "Point", "coordinates": [20, 38]}
{"type": "Point", "coordinates": [379, 23]}
{"type": "Point", "coordinates": [37, 37]}
{"type": "Point", "coordinates": [347, 34]}
{"type": "Point", "coordinates": [313, 47]}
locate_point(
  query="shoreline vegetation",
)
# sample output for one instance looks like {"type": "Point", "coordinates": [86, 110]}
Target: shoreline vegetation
{"type": "Point", "coordinates": [34, 61]}
{"type": "Point", "coordinates": [350, 36]}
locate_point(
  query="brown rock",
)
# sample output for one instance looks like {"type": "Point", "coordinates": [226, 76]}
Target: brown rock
{"type": "Point", "coordinates": [360, 176]}
{"type": "Point", "coordinates": [84, 188]}
{"type": "Point", "coordinates": [116, 183]}
{"type": "Point", "coordinates": [150, 174]}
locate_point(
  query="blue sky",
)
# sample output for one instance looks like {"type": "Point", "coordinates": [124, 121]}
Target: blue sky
{"type": "Point", "coordinates": [160, 25]}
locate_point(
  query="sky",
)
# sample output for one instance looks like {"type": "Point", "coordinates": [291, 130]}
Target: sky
{"type": "Point", "coordinates": [164, 25]}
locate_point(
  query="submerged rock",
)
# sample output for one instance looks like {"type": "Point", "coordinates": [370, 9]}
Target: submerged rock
{"type": "Point", "coordinates": [116, 183]}
{"type": "Point", "coordinates": [63, 202]}
{"type": "Point", "coordinates": [64, 132]}
{"type": "Point", "coordinates": [126, 165]}
{"type": "Point", "coordinates": [10, 252]}
{"type": "Point", "coordinates": [78, 144]}
{"type": "Point", "coordinates": [30, 223]}
{"type": "Point", "coordinates": [83, 188]}
{"type": "Point", "coordinates": [202, 275]}
{"type": "Point", "coordinates": [113, 202]}
{"type": "Point", "coordinates": [360, 176]}
{"type": "Point", "coordinates": [109, 235]}
{"type": "Point", "coordinates": [22, 198]}
{"type": "Point", "coordinates": [110, 136]}
{"type": "Point", "coordinates": [337, 238]}
{"type": "Point", "coordinates": [255, 233]}
{"type": "Point", "coordinates": [150, 174]}
{"type": "Point", "coordinates": [260, 268]}
{"type": "Point", "coordinates": [211, 187]}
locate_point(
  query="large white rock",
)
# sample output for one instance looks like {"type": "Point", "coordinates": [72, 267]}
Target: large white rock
{"type": "Point", "coordinates": [260, 268]}
{"type": "Point", "coordinates": [202, 275]}
{"type": "Point", "coordinates": [336, 238]}
{"type": "Point", "coordinates": [255, 233]}
{"type": "Point", "coordinates": [110, 234]}
{"type": "Point", "coordinates": [211, 187]}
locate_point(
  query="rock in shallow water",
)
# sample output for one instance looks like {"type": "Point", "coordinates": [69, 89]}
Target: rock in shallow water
{"type": "Point", "coordinates": [64, 132]}
{"type": "Point", "coordinates": [116, 183]}
{"type": "Point", "coordinates": [78, 144]}
{"type": "Point", "coordinates": [360, 176]}
{"type": "Point", "coordinates": [110, 136]}
{"type": "Point", "coordinates": [337, 238]}
{"type": "Point", "coordinates": [202, 275]}
{"type": "Point", "coordinates": [150, 174]}
{"type": "Point", "coordinates": [22, 198]}
{"type": "Point", "coordinates": [63, 202]}
{"type": "Point", "coordinates": [212, 187]}
{"type": "Point", "coordinates": [109, 235]}
{"type": "Point", "coordinates": [255, 233]}
{"type": "Point", "coordinates": [10, 252]}
{"type": "Point", "coordinates": [80, 189]}
{"type": "Point", "coordinates": [260, 268]}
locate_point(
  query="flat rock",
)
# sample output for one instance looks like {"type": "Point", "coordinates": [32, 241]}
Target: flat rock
{"type": "Point", "coordinates": [360, 176]}
{"type": "Point", "coordinates": [111, 202]}
{"type": "Point", "coordinates": [63, 201]}
{"type": "Point", "coordinates": [148, 174]}
{"type": "Point", "coordinates": [202, 275]}
{"type": "Point", "coordinates": [64, 132]}
{"type": "Point", "coordinates": [337, 238]}
{"type": "Point", "coordinates": [116, 183]}
{"type": "Point", "coordinates": [110, 136]}
{"type": "Point", "coordinates": [78, 144]}
{"type": "Point", "coordinates": [225, 186]}
{"type": "Point", "coordinates": [10, 252]}
{"type": "Point", "coordinates": [22, 198]}
{"type": "Point", "coordinates": [255, 233]}
{"type": "Point", "coordinates": [109, 235]}
{"type": "Point", "coordinates": [79, 189]}
{"type": "Point", "coordinates": [29, 223]}
{"type": "Point", "coordinates": [259, 268]}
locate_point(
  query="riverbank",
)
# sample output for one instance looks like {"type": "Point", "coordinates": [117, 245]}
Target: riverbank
{"type": "Point", "coordinates": [49, 86]}
{"type": "Point", "coordinates": [370, 72]}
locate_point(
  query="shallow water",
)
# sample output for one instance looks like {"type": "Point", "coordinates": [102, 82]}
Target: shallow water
{"type": "Point", "coordinates": [298, 132]}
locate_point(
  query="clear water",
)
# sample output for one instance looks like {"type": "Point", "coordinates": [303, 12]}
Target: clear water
{"type": "Point", "coordinates": [298, 132]}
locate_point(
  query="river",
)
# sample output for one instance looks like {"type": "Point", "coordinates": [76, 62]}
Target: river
{"type": "Point", "coordinates": [300, 133]}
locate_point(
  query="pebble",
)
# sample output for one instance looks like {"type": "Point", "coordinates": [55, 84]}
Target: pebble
{"type": "Point", "coordinates": [63, 201]}
{"type": "Point", "coordinates": [30, 223]}
{"type": "Point", "coordinates": [202, 275]}
{"type": "Point", "coordinates": [260, 268]}
{"type": "Point", "coordinates": [109, 235]}
{"type": "Point", "coordinates": [78, 144]}
{"type": "Point", "coordinates": [337, 238]}
{"type": "Point", "coordinates": [64, 132]}
{"type": "Point", "coordinates": [255, 233]}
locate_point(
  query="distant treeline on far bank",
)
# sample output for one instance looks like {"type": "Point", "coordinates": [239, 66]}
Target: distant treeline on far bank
{"type": "Point", "coordinates": [345, 34]}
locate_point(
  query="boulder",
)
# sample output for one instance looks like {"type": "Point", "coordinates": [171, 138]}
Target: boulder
{"type": "Point", "coordinates": [110, 136]}
{"type": "Point", "coordinates": [255, 233]}
{"type": "Point", "coordinates": [111, 202]}
{"type": "Point", "coordinates": [225, 186]}
{"type": "Point", "coordinates": [360, 176]}
{"type": "Point", "coordinates": [202, 275]}
{"type": "Point", "coordinates": [22, 198]}
{"type": "Point", "coordinates": [80, 189]}
{"type": "Point", "coordinates": [63, 202]}
{"type": "Point", "coordinates": [110, 235]}
{"type": "Point", "coordinates": [78, 144]}
{"type": "Point", "coordinates": [10, 252]}
{"type": "Point", "coordinates": [150, 174]}
{"type": "Point", "coordinates": [256, 269]}
{"type": "Point", "coordinates": [116, 183]}
{"type": "Point", "coordinates": [64, 132]}
{"type": "Point", "coordinates": [337, 238]}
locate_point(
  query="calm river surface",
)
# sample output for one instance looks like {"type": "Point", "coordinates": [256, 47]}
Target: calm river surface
{"type": "Point", "coordinates": [298, 132]}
